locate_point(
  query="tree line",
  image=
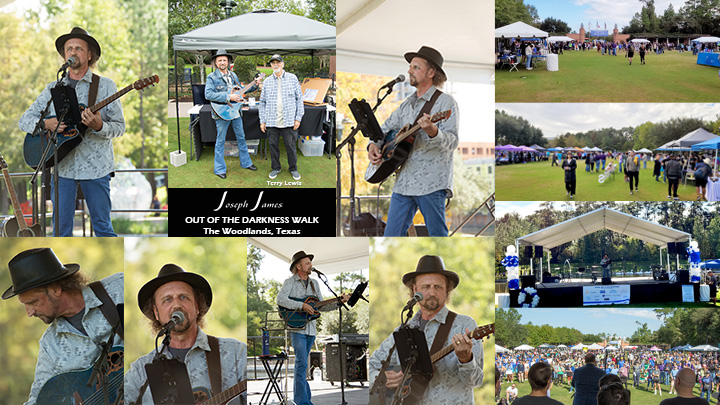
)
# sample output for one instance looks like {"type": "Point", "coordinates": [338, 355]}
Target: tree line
{"type": "Point", "coordinates": [680, 326]}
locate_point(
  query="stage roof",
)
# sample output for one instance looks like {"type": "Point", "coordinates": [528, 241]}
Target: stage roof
{"type": "Point", "coordinates": [603, 218]}
{"type": "Point", "coordinates": [332, 255]}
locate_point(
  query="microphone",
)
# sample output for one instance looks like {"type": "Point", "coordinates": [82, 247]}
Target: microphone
{"type": "Point", "coordinates": [390, 84]}
{"type": "Point", "coordinates": [317, 271]}
{"type": "Point", "coordinates": [415, 299]}
{"type": "Point", "coordinates": [71, 61]}
{"type": "Point", "coordinates": [177, 318]}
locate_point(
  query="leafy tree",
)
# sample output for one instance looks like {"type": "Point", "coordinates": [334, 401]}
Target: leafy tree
{"type": "Point", "coordinates": [554, 26]}
{"type": "Point", "coordinates": [510, 11]}
{"type": "Point", "coordinates": [508, 330]}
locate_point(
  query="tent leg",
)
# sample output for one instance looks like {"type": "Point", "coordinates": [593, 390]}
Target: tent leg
{"type": "Point", "coordinates": [177, 105]}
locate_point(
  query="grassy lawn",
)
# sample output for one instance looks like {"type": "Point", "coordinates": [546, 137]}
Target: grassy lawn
{"type": "Point", "coordinates": [590, 77]}
{"type": "Point", "coordinates": [539, 181]}
{"type": "Point", "coordinates": [316, 172]}
{"type": "Point", "coordinates": [639, 395]}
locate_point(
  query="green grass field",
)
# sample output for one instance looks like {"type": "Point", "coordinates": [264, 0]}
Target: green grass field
{"type": "Point", "coordinates": [316, 172]}
{"type": "Point", "coordinates": [639, 395]}
{"type": "Point", "coordinates": [585, 77]}
{"type": "Point", "coordinates": [539, 181]}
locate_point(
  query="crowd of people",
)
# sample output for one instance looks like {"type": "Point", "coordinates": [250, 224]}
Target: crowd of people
{"type": "Point", "coordinates": [672, 168]}
{"type": "Point", "coordinates": [583, 372]}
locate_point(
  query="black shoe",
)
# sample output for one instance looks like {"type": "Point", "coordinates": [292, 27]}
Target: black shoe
{"type": "Point", "coordinates": [252, 168]}
{"type": "Point", "coordinates": [221, 175]}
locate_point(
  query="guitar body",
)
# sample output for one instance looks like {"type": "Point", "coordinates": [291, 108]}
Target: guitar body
{"type": "Point", "coordinates": [34, 145]}
{"type": "Point", "coordinates": [297, 319]}
{"type": "Point", "coordinates": [393, 155]}
{"type": "Point", "coordinates": [11, 228]}
{"type": "Point", "coordinates": [231, 110]}
{"type": "Point", "coordinates": [71, 388]}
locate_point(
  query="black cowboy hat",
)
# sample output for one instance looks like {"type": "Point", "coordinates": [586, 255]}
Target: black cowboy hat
{"type": "Point", "coordinates": [35, 268]}
{"type": "Point", "coordinates": [429, 54]}
{"type": "Point", "coordinates": [78, 32]}
{"type": "Point", "coordinates": [172, 272]}
{"type": "Point", "coordinates": [431, 265]}
{"type": "Point", "coordinates": [299, 256]}
{"type": "Point", "coordinates": [221, 52]}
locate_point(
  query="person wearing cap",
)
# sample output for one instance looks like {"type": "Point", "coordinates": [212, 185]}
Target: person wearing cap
{"type": "Point", "coordinates": [174, 290]}
{"type": "Point", "coordinates": [299, 286]}
{"type": "Point", "coordinates": [59, 295]}
{"type": "Point", "coordinates": [281, 110]}
{"type": "Point", "coordinates": [460, 371]}
{"type": "Point", "coordinates": [91, 163]}
{"type": "Point", "coordinates": [426, 178]}
{"type": "Point", "coordinates": [218, 88]}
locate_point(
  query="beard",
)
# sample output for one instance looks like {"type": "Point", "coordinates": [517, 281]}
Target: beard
{"type": "Point", "coordinates": [54, 307]}
{"type": "Point", "coordinates": [431, 304]}
{"type": "Point", "coordinates": [413, 81]}
{"type": "Point", "coordinates": [185, 325]}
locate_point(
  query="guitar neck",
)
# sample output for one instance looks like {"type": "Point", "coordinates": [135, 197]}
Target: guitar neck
{"type": "Point", "coordinates": [228, 394]}
{"type": "Point", "coordinates": [478, 333]}
{"type": "Point", "coordinates": [444, 351]}
{"type": "Point", "coordinates": [15, 202]}
{"type": "Point", "coordinates": [110, 99]}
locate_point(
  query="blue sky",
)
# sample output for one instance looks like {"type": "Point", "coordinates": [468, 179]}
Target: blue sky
{"type": "Point", "coordinates": [615, 321]}
{"type": "Point", "coordinates": [611, 12]}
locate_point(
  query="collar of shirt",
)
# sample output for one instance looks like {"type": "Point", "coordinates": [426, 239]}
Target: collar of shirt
{"type": "Point", "coordinates": [440, 317]}
{"type": "Point", "coordinates": [426, 96]}
{"type": "Point", "coordinates": [276, 77]}
{"type": "Point", "coordinates": [86, 78]}
{"type": "Point", "coordinates": [201, 342]}
{"type": "Point", "coordinates": [91, 301]}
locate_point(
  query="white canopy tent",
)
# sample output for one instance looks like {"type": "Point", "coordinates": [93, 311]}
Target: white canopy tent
{"type": "Point", "coordinates": [332, 255]}
{"type": "Point", "coordinates": [704, 348]}
{"type": "Point", "coordinates": [500, 349]}
{"type": "Point", "coordinates": [560, 39]}
{"type": "Point", "coordinates": [639, 40]}
{"type": "Point", "coordinates": [611, 348]}
{"type": "Point", "coordinates": [372, 37]}
{"type": "Point", "coordinates": [707, 39]}
{"type": "Point", "coordinates": [602, 218]}
{"type": "Point", "coordinates": [524, 347]}
{"type": "Point", "coordinates": [559, 346]}
{"type": "Point", "coordinates": [519, 29]}
{"type": "Point", "coordinates": [578, 346]}
{"type": "Point", "coordinates": [644, 150]}
{"type": "Point", "coordinates": [595, 346]}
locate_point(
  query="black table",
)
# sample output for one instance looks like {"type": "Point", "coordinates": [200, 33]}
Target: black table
{"type": "Point", "coordinates": [311, 125]}
{"type": "Point", "coordinates": [273, 372]}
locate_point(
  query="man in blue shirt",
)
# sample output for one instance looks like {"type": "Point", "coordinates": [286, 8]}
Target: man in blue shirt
{"type": "Point", "coordinates": [219, 88]}
{"type": "Point", "coordinates": [281, 110]}
{"type": "Point", "coordinates": [91, 163]}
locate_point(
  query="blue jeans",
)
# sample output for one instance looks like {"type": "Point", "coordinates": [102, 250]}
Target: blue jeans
{"type": "Point", "coordinates": [222, 127]}
{"type": "Point", "coordinates": [529, 62]}
{"type": "Point", "coordinates": [403, 209]}
{"type": "Point", "coordinates": [97, 196]}
{"type": "Point", "coordinates": [302, 344]}
{"type": "Point", "coordinates": [705, 392]}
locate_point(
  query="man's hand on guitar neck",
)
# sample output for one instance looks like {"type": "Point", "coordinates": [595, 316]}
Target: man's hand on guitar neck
{"type": "Point", "coordinates": [393, 378]}
{"type": "Point", "coordinates": [374, 154]}
{"type": "Point", "coordinates": [92, 120]}
{"type": "Point", "coordinates": [428, 126]}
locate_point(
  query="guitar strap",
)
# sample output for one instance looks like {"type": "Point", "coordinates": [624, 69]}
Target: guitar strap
{"type": "Point", "coordinates": [428, 106]}
{"type": "Point", "coordinates": [108, 307]}
{"type": "Point", "coordinates": [92, 96]}
{"type": "Point", "coordinates": [213, 364]}
{"type": "Point", "coordinates": [443, 333]}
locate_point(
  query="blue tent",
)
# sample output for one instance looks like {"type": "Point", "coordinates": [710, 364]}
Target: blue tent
{"type": "Point", "coordinates": [710, 144]}
{"type": "Point", "coordinates": [710, 264]}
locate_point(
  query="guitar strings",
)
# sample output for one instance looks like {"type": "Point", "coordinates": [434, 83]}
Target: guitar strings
{"type": "Point", "coordinates": [98, 397]}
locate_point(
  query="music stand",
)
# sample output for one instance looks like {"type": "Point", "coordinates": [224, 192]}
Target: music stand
{"type": "Point", "coordinates": [414, 358]}
{"type": "Point", "coordinates": [64, 97]}
{"type": "Point", "coordinates": [357, 294]}
{"type": "Point", "coordinates": [169, 381]}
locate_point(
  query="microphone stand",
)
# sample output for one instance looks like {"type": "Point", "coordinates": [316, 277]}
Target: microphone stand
{"type": "Point", "coordinates": [341, 353]}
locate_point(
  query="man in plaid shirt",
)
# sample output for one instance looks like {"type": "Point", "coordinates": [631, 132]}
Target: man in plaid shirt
{"type": "Point", "coordinates": [280, 116]}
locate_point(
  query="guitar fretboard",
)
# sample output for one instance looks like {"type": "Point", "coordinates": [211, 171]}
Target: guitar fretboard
{"type": "Point", "coordinates": [110, 99]}
{"type": "Point", "coordinates": [228, 394]}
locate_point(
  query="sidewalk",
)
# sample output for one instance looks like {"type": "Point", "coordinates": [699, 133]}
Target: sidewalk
{"type": "Point", "coordinates": [323, 393]}
{"type": "Point", "coordinates": [184, 107]}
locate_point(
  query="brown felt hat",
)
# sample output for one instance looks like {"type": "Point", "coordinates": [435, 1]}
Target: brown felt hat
{"type": "Point", "coordinates": [299, 256]}
{"type": "Point", "coordinates": [172, 272]}
{"type": "Point", "coordinates": [35, 268]}
{"type": "Point", "coordinates": [429, 264]}
{"type": "Point", "coordinates": [78, 32]}
{"type": "Point", "coordinates": [429, 54]}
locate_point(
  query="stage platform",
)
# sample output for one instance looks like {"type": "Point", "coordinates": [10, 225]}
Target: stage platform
{"type": "Point", "coordinates": [642, 291]}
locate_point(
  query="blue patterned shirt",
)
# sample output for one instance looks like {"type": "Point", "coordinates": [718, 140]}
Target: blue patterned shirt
{"type": "Point", "coordinates": [292, 100]}
{"type": "Point", "coordinates": [295, 287]}
{"type": "Point", "coordinates": [93, 158]}
{"type": "Point", "coordinates": [453, 382]}
{"type": "Point", "coordinates": [233, 361]}
{"type": "Point", "coordinates": [63, 348]}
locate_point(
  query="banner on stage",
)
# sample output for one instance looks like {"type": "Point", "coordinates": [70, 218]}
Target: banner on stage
{"type": "Point", "coordinates": [606, 294]}
{"type": "Point", "coordinates": [688, 293]}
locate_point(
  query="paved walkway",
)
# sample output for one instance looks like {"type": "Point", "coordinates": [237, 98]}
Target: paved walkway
{"type": "Point", "coordinates": [184, 107]}
{"type": "Point", "coordinates": [323, 393]}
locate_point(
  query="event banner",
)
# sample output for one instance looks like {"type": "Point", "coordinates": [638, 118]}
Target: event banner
{"type": "Point", "coordinates": [598, 33]}
{"type": "Point", "coordinates": [252, 212]}
{"type": "Point", "coordinates": [708, 58]}
{"type": "Point", "coordinates": [606, 294]}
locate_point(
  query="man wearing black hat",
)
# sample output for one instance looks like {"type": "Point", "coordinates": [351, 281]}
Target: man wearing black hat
{"type": "Point", "coordinates": [60, 296]}
{"type": "Point", "coordinates": [457, 373]}
{"type": "Point", "coordinates": [299, 286]}
{"type": "Point", "coordinates": [91, 163]}
{"type": "Point", "coordinates": [281, 110]}
{"type": "Point", "coordinates": [174, 290]}
{"type": "Point", "coordinates": [219, 88]}
{"type": "Point", "coordinates": [425, 180]}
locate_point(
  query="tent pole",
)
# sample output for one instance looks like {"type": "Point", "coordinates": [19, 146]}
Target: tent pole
{"type": "Point", "coordinates": [177, 104]}
{"type": "Point", "coordinates": [667, 259]}
{"type": "Point", "coordinates": [312, 65]}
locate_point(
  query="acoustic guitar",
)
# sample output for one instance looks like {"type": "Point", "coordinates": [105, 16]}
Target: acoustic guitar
{"type": "Point", "coordinates": [380, 394]}
{"type": "Point", "coordinates": [72, 136]}
{"type": "Point", "coordinates": [16, 226]}
{"type": "Point", "coordinates": [72, 389]}
{"type": "Point", "coordinates": [231, 110]}
{"type": "Point", "coordinates": [297, 318]}
{"type": "Point", "coordinates": [202, 397]}
{"type": "Point", "coordinates": [396, 150]}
